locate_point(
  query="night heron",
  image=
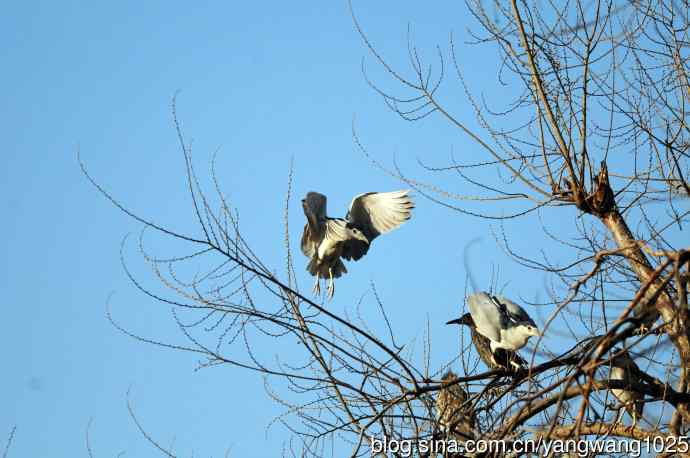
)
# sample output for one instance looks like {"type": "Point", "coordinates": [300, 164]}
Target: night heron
{"type": "Point", "coordinates": [506, 325]}
{"type": "Point", "coordinates": [624, 368]}
{"type": "Point", "coordinates": [645, 311]}
{"type": "Point", "coordinates": [500, 359]}
{"type": "Point", "coordinates": [325, 240]}
{"type": "Point", "coordinates": [453, 411]}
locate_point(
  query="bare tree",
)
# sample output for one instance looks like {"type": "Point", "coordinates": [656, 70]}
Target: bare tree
{"type": "Point", "coordinates": [597, 86]}
{"type": "Point", "coordinates": [597, 126]}
{"type": "Point", "coordinates": [6, 451]}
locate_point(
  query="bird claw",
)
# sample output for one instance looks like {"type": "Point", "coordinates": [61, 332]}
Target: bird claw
{"type": "Point", "coordinates": [331, 289]}
{"type": "Point", "coordinates": [641, 330]}
{"type": "Point", "coordinates": [495, 391]}
{"type": "Point", "coordinates": [634, 422]}
{"type": "Point", "coordinates": [331, 284]}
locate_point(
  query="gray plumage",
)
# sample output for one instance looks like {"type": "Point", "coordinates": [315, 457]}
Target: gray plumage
{"type": "Point", "coordinates": [499, 358]}
{"type": "Point", "coordinates": [646, 312]}
{"type": "Point", "coordinates": [326, 240]}
{"type": "Point", "coordinates": [454, 412]}
{"type": "Point", "coordinates": [624, 368]}
{"type": "Point", "coordinates": [503, 322]}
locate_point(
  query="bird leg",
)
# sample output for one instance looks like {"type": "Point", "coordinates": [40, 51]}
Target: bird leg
{"type": "Point", "coordinates": [619, 415]}
{"type": "Point", "coordinates": [331, 284]}
{"type": "Point", "coordinates": [633, 414]}
{"type": "Point", "coordinates": [317, 287]}
{"type": "Point", "coordinates": [642, 330]}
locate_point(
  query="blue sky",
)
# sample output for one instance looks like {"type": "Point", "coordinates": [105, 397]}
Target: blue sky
{"type": "Point", "coordinates": [264, 82]}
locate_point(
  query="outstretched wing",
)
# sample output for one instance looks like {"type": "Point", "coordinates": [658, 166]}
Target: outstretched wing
{"type": "Point", "coordinates": [376, 213]}
{"type": "Point", "coordinates": [486, 315]}
{"type": "Point", "coordinates": [354, 249]}
{"type": "Point", "coordinates": [336, 230]}
{"type": "Point", "coordinates": [309, 243]}
{"type": "Point", "coordinates": [314, 206]}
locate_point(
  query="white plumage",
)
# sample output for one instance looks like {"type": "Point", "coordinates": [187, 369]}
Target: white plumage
{"type": "Point", "coordinates": [502, 321]}
{"type": "Point", "coordinates": [326, 240]}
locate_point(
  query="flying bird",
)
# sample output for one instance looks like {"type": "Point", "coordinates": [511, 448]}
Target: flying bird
{"type": "Point", "coordinates": [326, 240]}
{"type": "Point", "coordinates": [453, 412]}
{"type": "Point", "coordinates": [624, 368]}
{"type": "Point", "coordinates": [500, 323]}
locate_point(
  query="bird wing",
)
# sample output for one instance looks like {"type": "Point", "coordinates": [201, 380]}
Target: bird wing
{"type": "Point", "coordinates": [309, 243]}
{"type": "Point", "coordinates": [376, 213]}
{"type": "Point", "coordinates": [314, 206]}
{"type": "Point", "coordinates": [515, 313]}
{"type": "Point", "coordinates": [486, 315]}
{"type": "Point", "coordinates": [354, 249]}
{"type": "Point", "coordinates": [483, 346]}
{"type": "Point", "coordinates": [336, 230]}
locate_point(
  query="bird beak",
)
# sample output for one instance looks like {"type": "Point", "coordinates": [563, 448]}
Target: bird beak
{"type": "Point", "coordinates": [455, 321]}
{"type": "Point", "coordinates": [535, 332]}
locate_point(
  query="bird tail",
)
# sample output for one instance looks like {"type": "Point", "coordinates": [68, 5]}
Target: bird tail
{"type": "Point", "coordinates": [315, 267]}
{"type": "Point", "coordinates": [339, 268]}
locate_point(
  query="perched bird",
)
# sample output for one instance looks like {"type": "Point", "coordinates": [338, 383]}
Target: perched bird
{"type": "Point", "coordinates": [506, 325]}
{"type": "Point", "coordinates": [453, 412]}
{"type": "Point", "coordinates": [624, 368]}
{"type": "Point", "coordinates": [645, 311]}
{"type": "Point", "coordinates": [325, 240]}
{"type": "Point", "coordinates": [500, 359]}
